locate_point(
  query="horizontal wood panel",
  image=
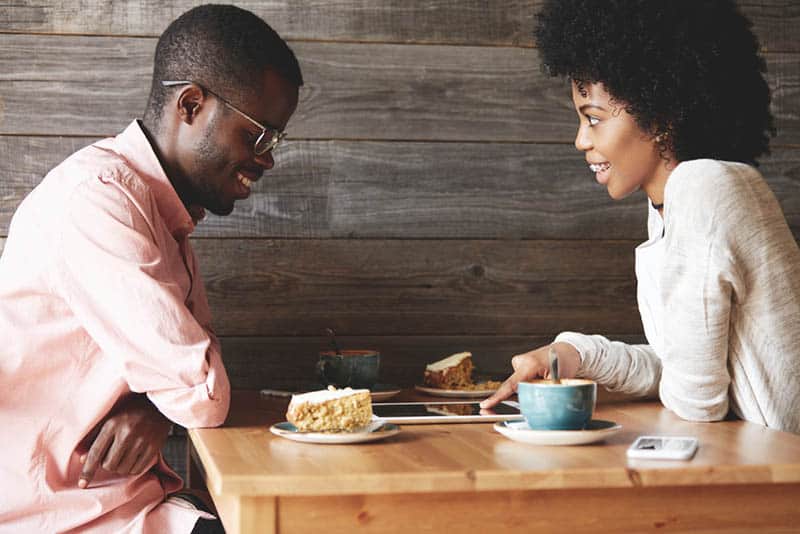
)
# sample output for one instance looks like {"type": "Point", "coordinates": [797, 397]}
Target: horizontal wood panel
{"type": "Point", "coordinates": [385, 189]}
{"type": "Point", "coordinates": [322, 189]}
{"type": "Point", "coordinates": [429, 287]}
{"type": "Point", "coordinates": [95, 85]}
{"type": "Point", "coordinates": [472, 22]}
{"type": "Point", "coordinates": [288, 363]}
{"type": "Point", "coordinates": [261, 287]}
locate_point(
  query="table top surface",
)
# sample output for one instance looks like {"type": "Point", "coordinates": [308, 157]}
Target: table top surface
{"type": "Point", "coordinates": [244, 458]}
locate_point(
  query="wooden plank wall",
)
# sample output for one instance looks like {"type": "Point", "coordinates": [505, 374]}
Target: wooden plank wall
{"type": "Point", "coordinates": [429, 199]}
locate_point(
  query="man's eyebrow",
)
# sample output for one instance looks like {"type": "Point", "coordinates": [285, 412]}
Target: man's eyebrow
{"type": "Point", "coordinates": [584, 107]}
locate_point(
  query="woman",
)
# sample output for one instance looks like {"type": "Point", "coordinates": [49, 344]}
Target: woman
{"type": "Point", "coordinates": [671, 99]}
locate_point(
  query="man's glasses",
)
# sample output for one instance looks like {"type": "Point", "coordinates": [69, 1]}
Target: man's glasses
{"type": "Point", "coordinates": [269, 138]}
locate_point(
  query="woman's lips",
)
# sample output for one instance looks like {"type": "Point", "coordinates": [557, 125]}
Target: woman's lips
{"type": "Point", "coordinates": [600, 171]}
{"type": "Point", "coordinates": [597, 167]}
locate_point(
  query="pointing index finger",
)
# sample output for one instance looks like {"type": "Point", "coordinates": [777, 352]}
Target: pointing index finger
{"type": "Point", "coordinates": [505, 390]}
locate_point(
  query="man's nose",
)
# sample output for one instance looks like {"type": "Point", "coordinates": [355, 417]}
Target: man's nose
{"type": "Point", "coordinates": [265, 160]}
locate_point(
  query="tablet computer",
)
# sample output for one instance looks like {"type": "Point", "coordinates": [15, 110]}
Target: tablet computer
{"type": "Point", "coordinates": [444, 412]}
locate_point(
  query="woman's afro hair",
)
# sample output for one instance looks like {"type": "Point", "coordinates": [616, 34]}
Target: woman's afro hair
{"type": "Point", "coordinates": [687, 68]}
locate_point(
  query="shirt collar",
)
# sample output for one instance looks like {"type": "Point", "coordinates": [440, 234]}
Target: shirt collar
{"type": "Point", "coordinates": [134, 146]}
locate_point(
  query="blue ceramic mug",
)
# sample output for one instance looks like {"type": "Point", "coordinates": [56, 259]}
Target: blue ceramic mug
{"type": "Point", "coordinates": [349, 368]}
{"type": "Point", "coordinates": [568, 405]}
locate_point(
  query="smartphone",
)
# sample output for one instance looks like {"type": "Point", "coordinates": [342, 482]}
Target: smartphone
{"type": "Point", "coordinates": [663, 448]}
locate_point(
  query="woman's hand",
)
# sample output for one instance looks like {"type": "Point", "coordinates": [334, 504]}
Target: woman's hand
{"type": "Point", "coordinates": [128, 441]}
{"type": "Point", "coordinates": [536, 364]}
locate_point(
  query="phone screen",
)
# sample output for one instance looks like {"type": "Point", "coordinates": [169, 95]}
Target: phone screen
{"type": "Point", "coordinates": [663, 447]}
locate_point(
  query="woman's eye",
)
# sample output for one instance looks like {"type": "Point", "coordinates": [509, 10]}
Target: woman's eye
{"type": "Point", "coordinates": [592, 120]}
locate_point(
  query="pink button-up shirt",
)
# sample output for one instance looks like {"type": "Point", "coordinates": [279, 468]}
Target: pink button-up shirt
{"type": "Point", "coordinates": [100, 296]}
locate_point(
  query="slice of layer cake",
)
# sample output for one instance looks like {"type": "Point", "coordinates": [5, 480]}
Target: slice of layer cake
{"type": "Point", "coordinates": [330, 410]}
{"type": "Point", "coordinates": [453, 372]}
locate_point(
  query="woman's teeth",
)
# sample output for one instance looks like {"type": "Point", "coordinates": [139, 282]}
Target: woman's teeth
{"type": "Point", "coordinates": [598, 167]}
{"type": "Point", "coordinates": [244, 181]}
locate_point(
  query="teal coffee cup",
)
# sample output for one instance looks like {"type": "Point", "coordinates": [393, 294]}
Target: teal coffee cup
{"type": "Point", "coordinates": [349, 368]}
{"type": "Point", "coordinates": [568, 405]}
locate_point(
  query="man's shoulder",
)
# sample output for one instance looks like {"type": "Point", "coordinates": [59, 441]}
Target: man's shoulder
{"type": "Point", "coordinates": [94, 177]}
{"type": "Point", "coordinates": [98, 165]}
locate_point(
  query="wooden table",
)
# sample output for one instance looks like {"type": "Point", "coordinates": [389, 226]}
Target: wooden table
{"type": "Point", "coordinates": [468, 478]}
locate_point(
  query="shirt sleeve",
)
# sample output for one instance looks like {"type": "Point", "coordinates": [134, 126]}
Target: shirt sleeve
{"type": "Point", "coordinates": [123, 289]}
{"type": "Point", "coordinates": [619, 367]}
{"type": "Point", "coordinates": [696, 290]}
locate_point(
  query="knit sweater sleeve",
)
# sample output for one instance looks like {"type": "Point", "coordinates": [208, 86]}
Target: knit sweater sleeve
{"type": "Point", "coordinates": [629, 369]}
{"type": "Point", "coordinates": [697, 284]}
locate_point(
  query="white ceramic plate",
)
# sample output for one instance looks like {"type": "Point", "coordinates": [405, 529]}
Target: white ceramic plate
{"type": "Point", "coordinates": [378, 392]}
{"type": "Point", "coordinates": [520, 431]}
{"type": "Point", "coordinates": [462, 393]}
{"type": "Point", "coordinates": [381, 392]}
{"type": "Point", "coordinates": [375, 431]}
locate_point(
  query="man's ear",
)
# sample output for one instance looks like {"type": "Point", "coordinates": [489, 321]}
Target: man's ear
{"type": "Point", "coordinates": [190, 101]}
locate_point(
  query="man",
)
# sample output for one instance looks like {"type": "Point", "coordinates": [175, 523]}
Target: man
{"type": "Point", "coordinates": [104, 316]}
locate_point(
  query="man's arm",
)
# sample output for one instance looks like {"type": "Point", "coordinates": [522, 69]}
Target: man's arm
{"type": "Point", "coordinates": [125, 281]}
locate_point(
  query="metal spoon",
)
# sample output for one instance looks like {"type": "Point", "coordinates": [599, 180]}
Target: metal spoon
{"type": "Point", "coordinates": [553, 366]}
{"type": "Point", "coordinates": [333, 341]}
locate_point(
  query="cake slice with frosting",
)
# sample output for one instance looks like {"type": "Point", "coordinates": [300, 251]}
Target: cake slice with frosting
{"type": "Point", "coordinates": [330, 410]}
{"type": "Point", "coordinates": [453, 372]}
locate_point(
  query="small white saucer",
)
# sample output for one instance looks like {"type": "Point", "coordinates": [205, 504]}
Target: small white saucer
{"type": "Point", "coordinates": [373, 432]}
{"type": "Point", "coordinates": [597, 430]}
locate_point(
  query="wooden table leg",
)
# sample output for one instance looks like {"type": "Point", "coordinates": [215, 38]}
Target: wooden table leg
{"type": "Point", "coordinates": [244, 515]}
{"type": "Point", "coordinates": [195, 476]}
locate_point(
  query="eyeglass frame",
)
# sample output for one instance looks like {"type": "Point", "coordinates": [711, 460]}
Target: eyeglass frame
{"type": "Point", "coordinates": [277, 135]}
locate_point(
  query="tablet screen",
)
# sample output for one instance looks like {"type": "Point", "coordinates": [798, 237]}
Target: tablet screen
{"type": "Point", "coordinates": [441, 412]}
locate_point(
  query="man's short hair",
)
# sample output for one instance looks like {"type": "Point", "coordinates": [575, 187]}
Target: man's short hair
{"type": "Point", "coordinates": [224, 48]}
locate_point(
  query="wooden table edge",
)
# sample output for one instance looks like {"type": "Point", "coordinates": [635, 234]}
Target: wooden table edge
{"type": "Point", "coordinates": [630, 476]}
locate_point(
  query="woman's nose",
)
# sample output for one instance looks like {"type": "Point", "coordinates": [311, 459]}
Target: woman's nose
{"type": "Point", "coordinates": [582, 141]}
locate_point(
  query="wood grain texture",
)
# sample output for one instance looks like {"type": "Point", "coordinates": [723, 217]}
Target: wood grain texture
{"type": "Point", "coordinates": [395, 287]}
{"type": "Point", "coordinates": [470, 22]}
{"type": "Point", "coordinates": [95, 85]}
{"type": "Point", "coordinates": [712, 510]}
{"type": "Point", "coordinates": [244, 458]}
{"type": "Point", "coordinates": [408, 190]}
{"type": "Point", "coordinates": [247, 514]}
{"type": "Point", "coordinates": [335, 189]}
{"type": "Point", "coordinates": [467, 477]}
{"type": "Point", "coordinates": [289, 363]}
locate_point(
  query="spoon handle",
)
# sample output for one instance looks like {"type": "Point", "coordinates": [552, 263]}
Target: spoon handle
{"type": "Point", "coordinates": [553, 365]}
{"type": "Point", "coordinates": [335, 345]}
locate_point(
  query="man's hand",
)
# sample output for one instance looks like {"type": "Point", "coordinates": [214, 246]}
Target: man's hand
{"type": "Point", "coordinates": [128, 440]}
{"type": "Point", "coordinates": [535, 364]}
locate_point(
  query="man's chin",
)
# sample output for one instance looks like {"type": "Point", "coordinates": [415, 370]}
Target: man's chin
{"type": "Point", "coordinates": [221, 211]}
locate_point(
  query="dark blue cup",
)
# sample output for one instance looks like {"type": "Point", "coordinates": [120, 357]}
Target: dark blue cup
{"type": "Point", "coordinates": [568, 405]}
{"type": "Point", "coordinates": [349, 368]}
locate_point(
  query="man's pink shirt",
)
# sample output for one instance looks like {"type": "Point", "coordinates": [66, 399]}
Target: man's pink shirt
{"type": "Point", "coordinates": [100, 296]}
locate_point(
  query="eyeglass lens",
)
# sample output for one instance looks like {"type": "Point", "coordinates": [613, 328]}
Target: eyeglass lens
{"type": "Point", "coordinates": [267, 141]}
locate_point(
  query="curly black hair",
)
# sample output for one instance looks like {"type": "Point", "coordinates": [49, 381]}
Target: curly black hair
{"type": "Point", "coordinates": [222, 47]}
{"type": "Point", "coordinates": [687, 68]}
